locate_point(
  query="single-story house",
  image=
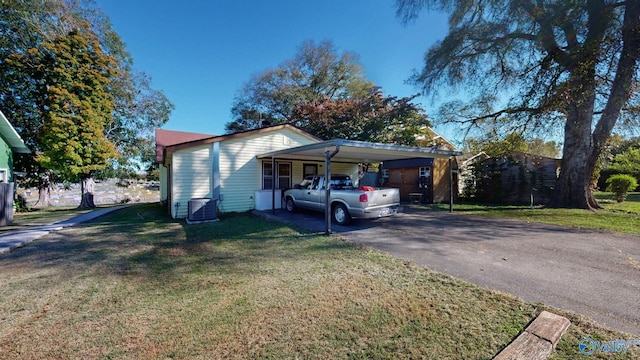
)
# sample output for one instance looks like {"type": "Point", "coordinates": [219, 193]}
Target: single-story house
{"type": "Point", "coordinates": [249, 170]}
{"type": "Point", "coordinates": [10, 143]}
{"type": "Point", "coordinates": [226, 168]}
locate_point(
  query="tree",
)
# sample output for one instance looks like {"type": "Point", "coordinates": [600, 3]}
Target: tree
{"type": "Point", "coordinates": [24, 29]}
{"type": "Point", "coordinates": [316, 73]}
{"type": "Point", "coordinates": [367, 118]}
{"type": "Point", "coordinates": [566, 64]}
{"type": "Point", "coordinates": [513, 142]}
{"type": "Point", "coordinates": [76, 107]}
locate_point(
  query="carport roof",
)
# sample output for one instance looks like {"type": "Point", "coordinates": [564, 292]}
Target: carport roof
{"type": "Point", "coordinates": [358, 151]}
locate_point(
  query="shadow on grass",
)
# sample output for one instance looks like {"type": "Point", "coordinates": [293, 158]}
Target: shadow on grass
{"type": "Point", "coordinates": [143, 241]}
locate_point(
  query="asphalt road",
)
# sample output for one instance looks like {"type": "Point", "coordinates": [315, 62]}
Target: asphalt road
{"type": "Point", "coordinates": [593, 273]}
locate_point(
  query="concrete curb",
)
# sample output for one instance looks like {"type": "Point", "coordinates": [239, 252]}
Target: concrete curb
{"type": "Point", "coordinates": [538, 340]}
{"type": "Point", "coordinates": [15, 239]}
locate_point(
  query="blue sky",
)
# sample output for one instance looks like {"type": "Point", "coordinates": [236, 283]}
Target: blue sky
{"type": "Point", "coordinates": [200, 53]}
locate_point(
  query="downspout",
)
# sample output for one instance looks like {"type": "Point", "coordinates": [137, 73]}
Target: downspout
{"type": "Point", "coordinates": [327, 185]}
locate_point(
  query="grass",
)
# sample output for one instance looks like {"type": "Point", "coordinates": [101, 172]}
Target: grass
{"type": "Point", "coordinates": [619, 217]}
{"type": "Point", "coordinates": [135, 284]}
{"type": "Point", "coordinates": [44, 216]}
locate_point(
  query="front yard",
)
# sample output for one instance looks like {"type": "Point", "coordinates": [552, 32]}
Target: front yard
{"type": "Point", "coordinates": [135, 284]}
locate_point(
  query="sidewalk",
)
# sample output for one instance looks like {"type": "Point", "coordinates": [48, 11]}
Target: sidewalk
{"type": "Point", "coordinates": [14, 239]}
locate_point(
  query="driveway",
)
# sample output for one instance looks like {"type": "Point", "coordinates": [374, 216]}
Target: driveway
{"type": "Point", "coordinates": [592, 273]}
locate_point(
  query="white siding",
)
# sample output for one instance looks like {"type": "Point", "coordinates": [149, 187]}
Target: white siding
{"type": "Point", "coordinates": [241, 172]}
{"type": "Point", "coordinates": [163, 183]}
{"type": "Point", "coordinates": [192, 172]}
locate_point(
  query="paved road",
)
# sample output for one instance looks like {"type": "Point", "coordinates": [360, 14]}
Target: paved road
{"type": "Point", "coordinates": [593, 273]}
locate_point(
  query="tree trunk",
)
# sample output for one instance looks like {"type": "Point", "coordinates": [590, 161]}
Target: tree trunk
{"type": "Point", "coordinates": [573, 186]}
{"type": "Point", "coordinates": [87, 186]}
{"type": "Point", "coordinates": [44, 192]}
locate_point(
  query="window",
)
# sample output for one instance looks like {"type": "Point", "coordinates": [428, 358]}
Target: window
{"type": "Point", "coordinates": [309, 169]}
{"type": "Point", "coordinates": [283, 175]}
{"type": "Point", "coordinates": [425, 171]}
{"type": "Point", "coordinates": [267, 173]}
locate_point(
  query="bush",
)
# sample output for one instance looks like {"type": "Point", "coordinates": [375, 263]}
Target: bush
{"type": "Point", "coordinates": [620, 185]}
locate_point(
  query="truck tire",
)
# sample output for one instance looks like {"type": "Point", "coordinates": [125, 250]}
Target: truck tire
{"type": "Point", "coordinates": [340, 214]}
{"type": "Point", "coordinates": [290, 205]}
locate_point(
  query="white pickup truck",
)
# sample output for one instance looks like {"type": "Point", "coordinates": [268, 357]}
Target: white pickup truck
{"type": "Point", "coordinates": [346, 201]}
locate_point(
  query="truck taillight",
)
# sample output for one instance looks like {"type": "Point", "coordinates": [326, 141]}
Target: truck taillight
{"type": "Point", "coordinates": [364, 197]}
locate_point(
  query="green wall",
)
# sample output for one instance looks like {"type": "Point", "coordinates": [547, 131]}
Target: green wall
{"type": "Point", "coordinates": [6, 159]}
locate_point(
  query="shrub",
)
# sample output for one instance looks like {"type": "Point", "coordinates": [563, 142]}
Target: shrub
{"type": "Point", "coordinates": [620, 185]}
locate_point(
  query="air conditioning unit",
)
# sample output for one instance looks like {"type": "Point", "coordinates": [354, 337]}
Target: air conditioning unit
{"type": "Point", "coordinates": [201, 209]}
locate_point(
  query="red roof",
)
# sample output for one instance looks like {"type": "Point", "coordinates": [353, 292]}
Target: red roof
{"type": "Point", "coordinates": [166, 138]}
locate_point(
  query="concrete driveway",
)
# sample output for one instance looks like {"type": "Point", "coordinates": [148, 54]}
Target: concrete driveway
{"type": "Point", "coordinates": [592, 273]}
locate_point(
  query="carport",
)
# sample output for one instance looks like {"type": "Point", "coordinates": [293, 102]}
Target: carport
{"type": "Point", "coordinates": [356, 152]}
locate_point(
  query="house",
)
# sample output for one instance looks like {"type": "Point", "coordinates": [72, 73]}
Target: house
{"type": "Point", "coordinates": [250, 170]}
{"type": "Point", "coordinates": [517, 178]}
{"type": "Point", "coordinates": [466, 177]}
{"type": "Point", "coordinates": [226, 168]}
{"type": "Point", "coordinates": [425, 180]}
{"type": "Point", "coordinates": [10, 143]}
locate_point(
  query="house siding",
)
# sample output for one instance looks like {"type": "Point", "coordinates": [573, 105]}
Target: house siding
{"type": "Point", "coordinates": [6, 160]}
{"type": "Point", "coordinates": [191, 177]}
{"type": "Point", "coordinates": [241, 171]}
{"type": "Point", "coordinates": [163, 183]}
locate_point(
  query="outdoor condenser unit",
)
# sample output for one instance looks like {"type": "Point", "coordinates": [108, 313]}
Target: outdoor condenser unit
{"type": "Point", "coordinates": [202, 209]}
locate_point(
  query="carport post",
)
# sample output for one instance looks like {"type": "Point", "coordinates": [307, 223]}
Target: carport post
{"type": "Point", "coordinates": [327, 187]}
{"type": "Point", "coordinates": [450, 184]}
{"type": "Point", "coordinates": [273, 184]}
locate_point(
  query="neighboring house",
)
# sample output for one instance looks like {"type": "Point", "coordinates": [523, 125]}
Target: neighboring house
{"type": "Point", "coordinates": [517, 178]}
{"type": "Point", "coordinates": [425, 180]}
{"type": "Point", "coordinates": [10, 143]}
{"type": "Point", "coordinates": [226, 168]}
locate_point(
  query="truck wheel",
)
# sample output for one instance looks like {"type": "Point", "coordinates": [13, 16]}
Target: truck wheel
{"type": "Point", "coordinates": [341, 215]}
{"type": "Point", "coordinates": [291, 206]}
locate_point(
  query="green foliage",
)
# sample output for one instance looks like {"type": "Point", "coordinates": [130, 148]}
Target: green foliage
{"type": "Point", "coordinates": [77, 103]}
{"type": "Point", "coordinates": [326, 93]}
{"type": "Point", "coordinates": [626, 162]}
{"type": "Point", "coordinates": [492, 145]}
{"type": "Point", "coordinates": [620, 185]}
{"type": "Point", "coordinates": [26, 27]}
{"type": "Point", "coordinates": [316, 72]}
{"type": "Point", "coordinates": [373, 117]}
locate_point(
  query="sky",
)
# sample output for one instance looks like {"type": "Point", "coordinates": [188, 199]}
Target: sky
{"type": "Point", "coordinates": [200, 53]}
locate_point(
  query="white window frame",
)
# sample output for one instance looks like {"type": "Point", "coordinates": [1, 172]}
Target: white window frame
{"type": "Point", "coordinates": [268, 176]}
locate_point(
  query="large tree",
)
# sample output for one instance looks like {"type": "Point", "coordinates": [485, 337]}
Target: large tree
{"type": "Point", "coordinates": [317, 72]}
{"type": "Point", "coordinates": [25, 28]}
{"type": "Point", "coordinates": [76, 106]}
{"type": "Point", "coordinates": [370, 117]}
{"type": "Point", "coordinates": [568, 64]}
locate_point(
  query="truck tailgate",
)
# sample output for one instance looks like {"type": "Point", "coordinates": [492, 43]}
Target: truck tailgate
{"type": "Point", "coordinates": [382, 197]}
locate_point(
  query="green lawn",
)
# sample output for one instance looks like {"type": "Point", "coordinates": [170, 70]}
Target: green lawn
{"type": "Point", "coordinates": [138, 285]}
{"type": "Point", "coordinates": [620, 217]}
